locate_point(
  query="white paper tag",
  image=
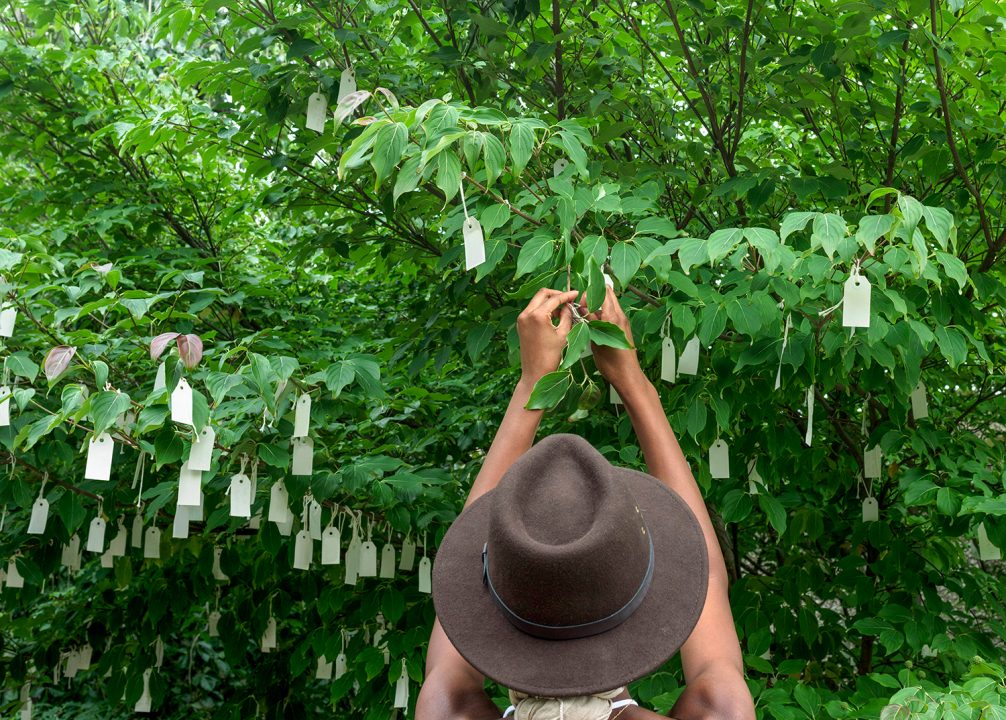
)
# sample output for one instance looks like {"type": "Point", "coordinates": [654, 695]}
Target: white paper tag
{"type": "Point", "coordinates": [920, 403]}
{"type": "Point", "coordinates": [190, 486]}
{"type": "Point", "coordinates": [302, 416]}
{"type": "Point", "coordinates": [96, 536]}
{"type": "Point", "coordinates": [340, 665]}
{"type": "Point", "coordinates": [754, 477]}
{"type": "Point", "coordinates": [607, 280]}
{"type": "Point", "coordinates": [107, 559]}
{"type": "Point", "coordinates": [39, 517]}
{"type": "Point", "coordinates": [871, 510]}
{"type": "Point", "coordinates": [84, 657]}
{"type": "Point", "coordinates": [810, 417]}
{"type": "Point", "coordinates": [180, 526]}
{"type": "Point", "coordinates": [856, 302]}
{"type": "Point", "coordinates": [871, 462]}
{"type": "Point", "coordinates": [5, 396]}
{"type": "Point", "coordinates": [986, 550]}
{"type": "Point", "coordinates": [70, 552]}
{"type": "Point", "coordinates": [14, 579]}
{"type": "Point", "coordinates": [212, 624]}
{"type": "Point", "coordinates": [99, 457]}
{"type": "Point", "coordinates": [144, 703]}
{"type": "Point", "coordinates": [201, 454]}
{"type": "Point", "coordinates": [557, 167]}
{"type": "Point", "coordinates": [425, 576]}
{"type": "Point", "coordinates": [118, 545]}
{"type": "Point", "coordinates": [152, 543]}
{"type": "Point", "coordinates": [317, 109]}
{"type": "Point", "coordinates": [218, 573]}
{"type": "Point", "coordinates": [303, 549]}
{"type": "Point", "coordinates": [279, 507]}
{"type": "Point", "coordinates": [181, 403]}
{"type": "Point", "coordinates": [330, 549]}
{"type": "Point", "coordinates": [160, 379]}
{"type": "Point", "coordinates": [286, 527]}
{"type": "Point", "coordinates": [26, 703]}
{"type": "Point", "coordinates": [475, 244]}
{"type": "Point", "coordinates": [688, 363]}
{"type": "Point", "coordinates": [368, 559]}
{"type": "Point", "coordinates": [613, 396]}
{"type": "Point", "coordinates": [353, 561]}
{"type": "Point", "coordinates": [324, 671]}
{"type": "Point", "coordinates": [136, 538]}
{"type": "Point", "coordinates": [240, 493]}
{"type": "Point", "coordinates": [7, 317]}
{"type": "Point", "coordinates": [402, 689]}
{"type": "Point", "coordinates": [303, 456]}
{"type": "Point", "coordinates": [314, 519]}
{"type": "Point", "coordinates": [407, 561]}
{"type": "Point", "coordinates": [388, 561]}
{"type": "Point", "coordinates": [347, 83]}
{"type": "Point", "coordinates": [668, 358]}
{"type": "Point", "coordinates": [719, 459]}
{"type": "Point", "coordinates": [269, 636]}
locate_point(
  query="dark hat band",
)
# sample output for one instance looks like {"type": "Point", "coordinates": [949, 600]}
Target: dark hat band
{"type": "Point", "coordinates": [570, 632]}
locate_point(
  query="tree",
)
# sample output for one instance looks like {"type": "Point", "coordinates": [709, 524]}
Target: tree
{"type": "Point", "coordinates": [729, 168]}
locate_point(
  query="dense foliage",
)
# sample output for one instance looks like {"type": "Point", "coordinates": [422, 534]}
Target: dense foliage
{"type": "Point", "coordinates": [729, 165]}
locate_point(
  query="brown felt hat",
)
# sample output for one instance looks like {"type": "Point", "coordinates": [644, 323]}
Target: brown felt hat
{"type": "Point", "coordinates": [573, 576]}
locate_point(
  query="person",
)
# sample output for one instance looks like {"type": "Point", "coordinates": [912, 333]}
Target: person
{"type": "Point", "coordinates": [526, 597]}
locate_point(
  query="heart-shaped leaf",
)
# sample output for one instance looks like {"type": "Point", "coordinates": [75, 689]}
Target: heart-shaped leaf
{"type": "Point", "coordinates": [160, 342]}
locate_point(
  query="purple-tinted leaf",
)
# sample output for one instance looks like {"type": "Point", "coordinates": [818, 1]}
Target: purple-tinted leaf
{"type": "Point", "coordinates": [160, 342]}
{"type": "Point", "coordinates": [190, 350]}
{"type": "Point", "coordinates": [58, 360]}
{"type": "Point", "coordinates": [388, 94]}
{"type": "Point", "coordinates": [349, 103]}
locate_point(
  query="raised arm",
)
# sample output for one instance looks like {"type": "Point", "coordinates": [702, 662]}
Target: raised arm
{"type": "Point", "coordinates": [452, 689]}
{"type": "Point", "coordinates": [711, 657]}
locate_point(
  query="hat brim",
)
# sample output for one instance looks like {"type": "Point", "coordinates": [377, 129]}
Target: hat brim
{"type": "Point", "coordinates": [564, 668]}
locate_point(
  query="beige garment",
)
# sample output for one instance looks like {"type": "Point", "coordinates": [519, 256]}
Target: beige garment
{"type": "Point", "coordinates": [586, 707]}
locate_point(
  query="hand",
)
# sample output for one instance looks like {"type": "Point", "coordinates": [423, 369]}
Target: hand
{"type": "Point", "coordinates": [541, 341]}
{"type": "Point", "coordinates": [616, 365]}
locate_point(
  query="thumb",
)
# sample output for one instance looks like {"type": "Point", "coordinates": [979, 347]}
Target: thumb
{"type": "Point", "coordinates": [565, 320]}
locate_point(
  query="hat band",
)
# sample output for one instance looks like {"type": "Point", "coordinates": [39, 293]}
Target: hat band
{"type": "Point", "coordinates": [569, 632]}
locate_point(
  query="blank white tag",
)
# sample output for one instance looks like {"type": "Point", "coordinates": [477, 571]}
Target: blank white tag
{"type": "Point", "coordinates": [201, 454]}
{"type": "Point", "coordinates": [986, 550]}
{"type": "Point", "coordinates": [408, 559]}
{"type": "Point", "coordinates": [302, 416]}
{"type": "Point", "coordinates": [144, 703]}
{"type": "Point", "coordinates": [7, 317]}
{"type": "Point", "coordinates": [754, 477]}
{"type": "Point", "coordinates": [607, 280]}
{"type": "Point", "coordinates": [70, 551]}
{"type": "Point", "coordinates": [330, 549]}
{"type": "Point", "coordinates": [871, 511]}
{"type": "Point", "coordinates": [314, 519]}
{"type": "Point", "coordinates": [190, 486]}
{"type": "Point", "coordinates": [286, 527]}
{"type": "Point", "coordinates": [39, 517]}
{"type": "Point", "coordinates": [688, 364]}
{"type": "Point", "coordinates": [303, 549]}
{"type": "Point", "coordinates": [368, 559]}
{"type": "Point", "coordinates": [99, 457]}
{"type": "Point", "coordinates": [4, 406]}
{"type": "Point", "coordinates": [920, 403]}
{"type": "Point", "coordinates": [14, 579]}
{"type": "Point", "coordinates": [180, 526]}
{"type": "Point", "coordinates": [340, 665]}
{"type": "Point", "coordinates": [856, 302]}
{"type": "Point", "coordinates": [613, 396]}
{"type": "Point", "coordinates": [213, 622]}
{"type": "Point", "coordinates": [160, 382]}
{"type": "Point", "coordinates": [810, 417]}
{"type": "Point", "coordinates": [317, 109]}
{"type": "Point", "coordinates": [107, 559]}
{"type": "Point", "coordinates": [347, 83]}
{"type": "Point", "coordinates": [136, 540]}
{"type": "Point", "coordinates": [871, 462]}
{"type": "Point", "coordinates": [84, 657]}
{"type": "Point", "coordinates": [475, 244]}
{"type": "Point", "coordinates": [719, 460]}
{"type": "Point", "coordinates": [152, 543]}
{"type": "Point", "coordinates": [218, 573]}
{"type": "Point", "coordinates": [279, 508]}
{"type": "Point", "coordinates": [402, 689]}
{"type": "Point", "coordinates": [96, 536]}
{"type": "Point", "coordinates": [324, 671]}
{"type": "Point", "coordinates": [668, 357]}
{"type": "Point", "coordinates": [353, 561]}
{"type": "Point", "coordinates": [240, 493]}
{"type": "Point", "coordinates": [269, 636]}
{"type": "Point", "coordinates": [181, 403]}
{"type": "Point", "coordinates": [388, 561]}
{"type": "Point", "coordinates": [425, 578]}
{"type": "Point", "coordinates": [557, 167]}
{"type": "Point", "coordinates": [118, 545]}
{"type": "Point", "coordinates": [303, 456]}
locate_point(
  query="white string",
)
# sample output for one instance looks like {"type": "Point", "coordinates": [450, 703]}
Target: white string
{"type": "Point", "coordinates": [785, 341]}
{"type": "Point", "coordinates": [139, 495]}
{"type": "Point", "coordinates": [665, 329]}
{"type": "Point", "coordinates": [461, 185]}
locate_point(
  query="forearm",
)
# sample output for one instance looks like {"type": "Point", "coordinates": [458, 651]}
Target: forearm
{"type": "Point", "coordinates": [514, 437]}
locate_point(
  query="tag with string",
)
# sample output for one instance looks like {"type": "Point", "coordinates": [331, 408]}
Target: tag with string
{"type": "Point", "coordinates": [407, 561]}
{"type": "Point", "coordinates": [368, 555]}
{"type": "Point", "coordinates": [99, 457]}
{"type": "Point", "coordinates": [144, 703]}
{"type": "Point", "coordinates": [314, 517]}
{"type": "Point", "coordinates": [347, 83]}
{"type": "Point", "coordinates": [39, 510]}
{"type": "Point", "coordinates": [719, 459]}
{"type": "Point", "coordinates": [872, 462]}
{"type": "Point", "coordinates": [303, 456]}
{"type": "Point", "coordinates": [340, 659]}
{"type": "Point", "coordinates": [96, 532]}
{"type": "Point", "coordinates": [152, 543]}
{"type": "Point", "coordinates": [471, 230]}
{"type": "Point", "coordinates": [8, 316]}
{"type": "Point", "coordinates": [201, 454]}
{"type": "Point", "coordinates": [688, 363]}
{"type": "Point", "coordinates": [25, 701]}
{"type": "Point", "coordinates": [302, 416]}
{"type": "Point", "coordinates": [668, 355]}
{"type": "Point", "coordinates": [269, 636]}
{"type": "Point", "coordinates": [324, 671]}
{"type": "Point", "coordinates": [239, 491]}
{"type": "Point", "coordinates": [14, 579]}
{"type": "Point", "coordinates": [920, 403]}
{"type": "Point", "coordinates": [388, 559]}
{"type": "Point", "coordinates": [180, 524]}
{"type": "Point", "coordinates": [70, 552]}
{"type": "Point", "coordinates": [810, 416]}
{"type": "Point", "coordinates": [353, 555]}
{"type": "Point", "coordinates": [303, 549]}
{"type": "Point", "coordinates": [425, 571]}
{"type": "Point", "coordinates": [331, 549]}
{"type": "Point", "coordinates": [5, 396]}
{"type": "Point", "coordinates": [402, 689]}
{"type": "Point", "coordinates": [181, 403]}
{"type": "Point", "coordinates": [856, 300]}
{"type": "Point", "coordinates": [785, 341]}
{"type": "Point", "coordinates": [190, 485]}
{"type": "Point", "coordinates": [218, 573]}
{"type": "Point", "coordinates": [117, 548]}
{"type": "Point", "coordinates": [279, 503]}
{"type": "Point", "coordinates": [317, 110]}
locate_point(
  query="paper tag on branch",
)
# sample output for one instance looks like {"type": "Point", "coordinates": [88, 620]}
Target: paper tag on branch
{"type": "Point", "coordinates": [181, 403]}
{"type": "Point", "coordinates": [303, 550]}
{"type": "Point", "coordinates": [136, 537]}
{"type": "Point", "coordinates": [218, 573]}
{"type": "Point", "coordinates": [39, 517]}
{"type": "Point", "coordinates": [668, 358]}
{"type": "Point", "coordinates": [558, 166]}
{"type": "Point", "coordinates": [368, 559]}
{"type": "Point", "coordinates": [144, 703]}
{"type": "Point", "coordinates": [279, 504]}
{"type": "Point", "coordinates": [920, 403]}
{"type": "Point", "coordinates": [425, 576]}
{"type": "Point", "coordinates": [856, 302]}
{"type": "Point", "coordinates": [303, 456]}
{"type": "Point", "coordinates": [240, 493]}
{"type": "Point", "coordinates": [871, 509]}
{"type": "Point", "coordinates": [14, 578]}
{"type": "Point", "coordinates": [809, 436]}
{"type": "Point", "coordinates": [180, 526]}
{"type": "Point", "coordinates": [402, 689]}
{"type": "Point", "coordinates": [8, 316]}
{"type": "Point", "coordinates": [96, 535]}
{"type": "Point", "coordinates": [302, 416]}
{"type": "Point", "coordinates": [719, 459]}
{"type": "Point", "coordinates": [99, 457]}
{"type": "Point", "coordinates": [269, 636]}
{"type": "Point", "coordinates": [190, 486]}
{"type": "Point", "coordinates": [317, 109]}
{"type": "Point", "coordinates": [475, 244]}
{"type": "Point", "coordinates": [330, 548]}
{"type": "Point", "coordinates": [353, 561]}
{"type": "Point", "coordinates": [118, 545]}
{"type": "Point", "coordinates": [388, 561]}
{"type": "Point", "coordinates": [152, 543]}
{"type": "Point", "coordinates": [324, 671]}
{"type": "Point", "coordinates": [5, 396]}
{"type": "Point", "coordinates": [688, 363]}
{"type": "Point", "coordinates": [314, 519]}
{"type": "Point", "coordinates": [347, 83]}
{"type": "Point", "coordinates": [871, 462]}
{"type": "Point", "coordinates": [201, 454]}
{"type": "Point", "coordinates": [407, 561]}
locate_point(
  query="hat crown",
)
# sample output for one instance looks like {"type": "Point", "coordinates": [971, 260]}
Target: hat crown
{"type": "Point", "coordinates": [567, 544]}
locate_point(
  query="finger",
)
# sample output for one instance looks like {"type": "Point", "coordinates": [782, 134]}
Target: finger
{"type": "Point", "coordinates": [539, 297]}
{"type": "Point", "coordinates": [565, 320]}
{"type": "Point", "coordinates": [552, 303]}
{"type": "Point", "coordinates": [610, 307]}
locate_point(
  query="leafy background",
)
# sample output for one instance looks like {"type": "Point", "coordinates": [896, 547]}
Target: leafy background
{"type": "Point", "coordinates": [727, 164]}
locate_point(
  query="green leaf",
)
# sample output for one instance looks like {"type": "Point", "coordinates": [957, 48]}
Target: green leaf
{"type": "Point", "coordinates": [952, 345]}
{"type": "Point", "coordinates": [521, 146]}
{"type": "Point", "coordinates": [576, 344]}
{"type": "Point", "coordinates": [911, 211]}
{"type": "Point", "coordinates": [495, 158]}
{"type": "Point", "coordinates": [624, 262]}
{"type": "Point", "coordinates": [534, 253]}
{"type": "Point", "coordinates": [794, 222]}
{"type": "Point", "coordinates": [21, 365]}
{"type": "Point", "coordinates": [953, 267]}
{"type": "Point", "coordinates": [549, 390]}
{"type": "Point", "coordinates": [273, 455]}
{"type": "Point", "coordinates": [722, 242]}
{"type": "Point", "coordinates": [872, 227]}
{"type": "Point", "coordinates": [448, 174]}
{"type": "Point", "coordinates": [596, 288]}
{"type": "Point", "coordinates": [940, 223]}
{"type": "Point", "coordinates": [388, 148]}
{"type": "Point", "coordinates": [105, 407]}
{"type": "Point", "coordinates": [774, 510]}
{"type": "Point", "coordinates": [478, 340]}
{"type": "Point", "coordinates": [736, 506]}
{"type": "Point", "coordinates": [829, 229]}
{"type": "Point", "coordinates": [338, 375]}
{"type": "Point", "coordinates": [608, 334]}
